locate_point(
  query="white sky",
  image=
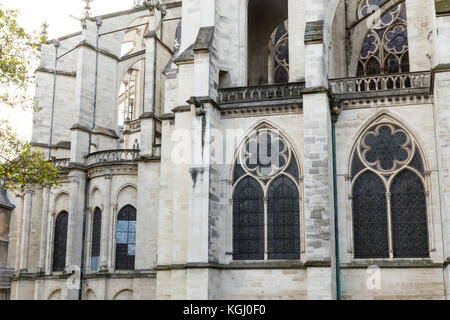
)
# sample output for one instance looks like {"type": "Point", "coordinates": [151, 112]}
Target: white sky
{"type": "Point", "coordinates": [56, 13]}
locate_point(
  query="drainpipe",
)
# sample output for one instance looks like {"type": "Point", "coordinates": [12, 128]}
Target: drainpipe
{"type": "Point", "coordinates": [86, 194]}
{"type": "Point", "coordinates": [163, 14]}
{"type": "Point", "coordinates": [57, 45]}
{"type": "Point", "coordinates": [336, 220]}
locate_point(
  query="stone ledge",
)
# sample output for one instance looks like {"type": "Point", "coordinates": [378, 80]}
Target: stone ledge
{"type": "Point", "coordinates": [314, 32]}
{"type": "Point", "coordinates": [288, 264]}
{"type": "Point", "coordinates": [58, 72]}
{"type": "Point", "coordinates": [121, 275]}
{"type": "Point", "coordinates": [399, 263]}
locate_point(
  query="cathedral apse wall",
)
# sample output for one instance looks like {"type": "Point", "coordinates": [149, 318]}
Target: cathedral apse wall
{"type": "Point", "coordinates": [172, 204]}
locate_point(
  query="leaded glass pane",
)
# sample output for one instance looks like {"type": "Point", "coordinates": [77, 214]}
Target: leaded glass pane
{"type": "Point", "coordinates": [417, 162]}
{"type": "Point", "coordinates": [122, 226]}
{"type": "Point", "coordinates": [293, 169]}
{"type": "Point", "coordinates": [409, 217]}
{"type": "Point", "coordinates": [386, 147]}
{"type": "Point", "coordinates": [248, 220]}
{"type": "Point", "coordinates": [357, 165]}
{"type": "Point", "coordinates": [60, 242]}
{"type": "Point", "coordinates": [238, 173]}
{"type": "Point", "coordinates": [126, 238]}
{"type": "Point", "coordinates": [280, 48]}
{"type": "Point", "coordinates": [283, 220]}
{"type": "Point", "coordinates": [370, 225]}
{"type": "Point", "coordinates": [385, 49]}
{"type": "Point", "coordinates": [96, 238]}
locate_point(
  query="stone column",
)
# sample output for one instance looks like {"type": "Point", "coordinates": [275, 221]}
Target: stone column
{"type": "Point", "coordinates": [75, 223]}
{"type": "Point", "coordinates": [44, 226]}
{"type": "Point", "coordinates": [296, 31]}
{"type": "Point", "coordinates": [25, 238]}
{"type": "Point", "coordinates": [442, 120]}
{"type": "Point", "coordinates": [106, 224]}
{"type": "Point", "coordinates": [318, 166]}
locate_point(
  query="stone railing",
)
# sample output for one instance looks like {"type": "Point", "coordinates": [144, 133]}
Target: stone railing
{"type": "Point", "coordinates": [61, 163]}
{"type": "Point", "coordinates": [261, 93]}
{"type": "Point", "coordinates": [413, 80]}
{"type": "Point", "coordinates": [157, 150]}
{"type": "Point", "coordinates": [112, 156]}
{"type": "Point", "coordinates": [5, 278]}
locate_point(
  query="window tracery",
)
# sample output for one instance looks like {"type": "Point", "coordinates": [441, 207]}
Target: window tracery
{"type": "Point", "coordinates": [60, 242]}
{"type": "Point", "coordinates": [266, 199]}
{"type": "Point", "coordinates": [279, 49]}
{"type": "Point", "coordinates": [126, 238]}
{"type": "Point", "coordinates": [96, 237]}
{"type": "Point", "coordinates": [385, 48]}
{"type": "Point", "coordinates": [389, 205]}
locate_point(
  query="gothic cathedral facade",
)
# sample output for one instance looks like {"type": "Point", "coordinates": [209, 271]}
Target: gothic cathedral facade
{"type": "Point", "coordinates": [240, 149]}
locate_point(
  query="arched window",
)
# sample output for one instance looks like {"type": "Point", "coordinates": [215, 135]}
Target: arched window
{"type": "Point", "coordinates": [60, 242]}
{"type": "Point", "coordinates": [266, 27]}
{"type": "Point", "coordinates": [388, 195]}
{"type": "Point", "coordinates": [126, 238]}
{"type": "Point", "coordinates": [266, 199]}
{"type": "Point", "coordinates": [279, 54]}
{"type": "Point", "coordinates": [96, 237]}
{"type": "Point", "coordinates": [366, 7]}
{"type": "Point", "coordinates": [385, 49]}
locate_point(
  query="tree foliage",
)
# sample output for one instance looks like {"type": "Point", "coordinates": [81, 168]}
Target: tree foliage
{"type": "Point", "coordinates": [20, 166]}
{"type": "Point", "coordinates": [19, 51]}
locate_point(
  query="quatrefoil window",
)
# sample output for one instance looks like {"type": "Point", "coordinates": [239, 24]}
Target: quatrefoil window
{"type": "Point", "coordinates": [386, 148]}
{"type": "Point", "coordinates": [265, 154]}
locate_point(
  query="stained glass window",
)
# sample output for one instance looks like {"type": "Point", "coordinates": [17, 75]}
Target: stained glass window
{"type": "Point", "coordinates": [126, 238]}
{"type": "Point", "coordinates": [284, 220]}
{"type": "Point", "coordinates": [385, 48]}
{"type": "Point", "coordinates": [370, 225]}
{"type": "Point", "coordinates": [382, 203]}
{"type": "Point", "coordinates": [367, 7]}
{"type": "Point", "coordinates": [60, 242]}
{"type": "Point", "coordinates": [280, 53]}
{"type": "Point", "coordinates": [266, 167]}
{"type": "Point", "coordinates": [96, 237]}
{"type": "Point", "coordinates": [409, 216]}
{"type": "Point", "coordinates": [248, 220]}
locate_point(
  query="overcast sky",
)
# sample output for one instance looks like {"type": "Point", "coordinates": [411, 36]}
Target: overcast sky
{"type": "Point", "coordinates": [57, 14]}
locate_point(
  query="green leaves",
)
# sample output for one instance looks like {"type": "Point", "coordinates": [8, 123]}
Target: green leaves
{"type": "Point", "coordinates": [18, 56]}
{"type": "Point", "coordinates": [20, 165]}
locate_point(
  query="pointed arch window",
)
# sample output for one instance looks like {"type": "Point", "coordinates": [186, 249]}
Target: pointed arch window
{"type": "Point", "coordinates": [96, 238]}
{"type": "Point", "coordinates": [126, 238]}
{"type": "Point", "coordinates": [279, 54]}
{"type": "Point", "coordinates": [389, 203]}
{"type": "Point", "coordinates": [266, 199]}
{"type": "Point", "coordinates": [385, 49]}
{"type": "Point", "coordinates": [60, 242]}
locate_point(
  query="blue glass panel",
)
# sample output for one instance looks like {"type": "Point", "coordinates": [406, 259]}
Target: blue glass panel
{"type": "Point", "coordinates": [122, 238]}
{"type": "Point", "coordinates": [131, 249]}
{"type": "Point", "coordinates": [95, 263]}
{"type": "Point", "coordinates": [132, 237]}
{"type": "Point", "coordinates": [132, 226]}
{"type": "Point", "coordinates": [122, 226]}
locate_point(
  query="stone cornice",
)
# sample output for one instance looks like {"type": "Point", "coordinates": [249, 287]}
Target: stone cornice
{"type": "Point", "coordinates": [58, 72]}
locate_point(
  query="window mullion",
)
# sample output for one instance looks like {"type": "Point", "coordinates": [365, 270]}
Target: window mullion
{"type": "Point", "coordinates": [389, 213]}
{"type": "Point", "coordinates": [266, 229]}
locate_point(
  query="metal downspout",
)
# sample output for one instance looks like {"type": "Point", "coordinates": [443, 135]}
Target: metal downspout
{"type": "Point", "coordinates": [336, 219]}
{"type": "Point", "coordinates": [57, 45]}
{"type": "Point", "coordinates": [86, 195]}
{"type": "Point", "coordinates": [155, 56]}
